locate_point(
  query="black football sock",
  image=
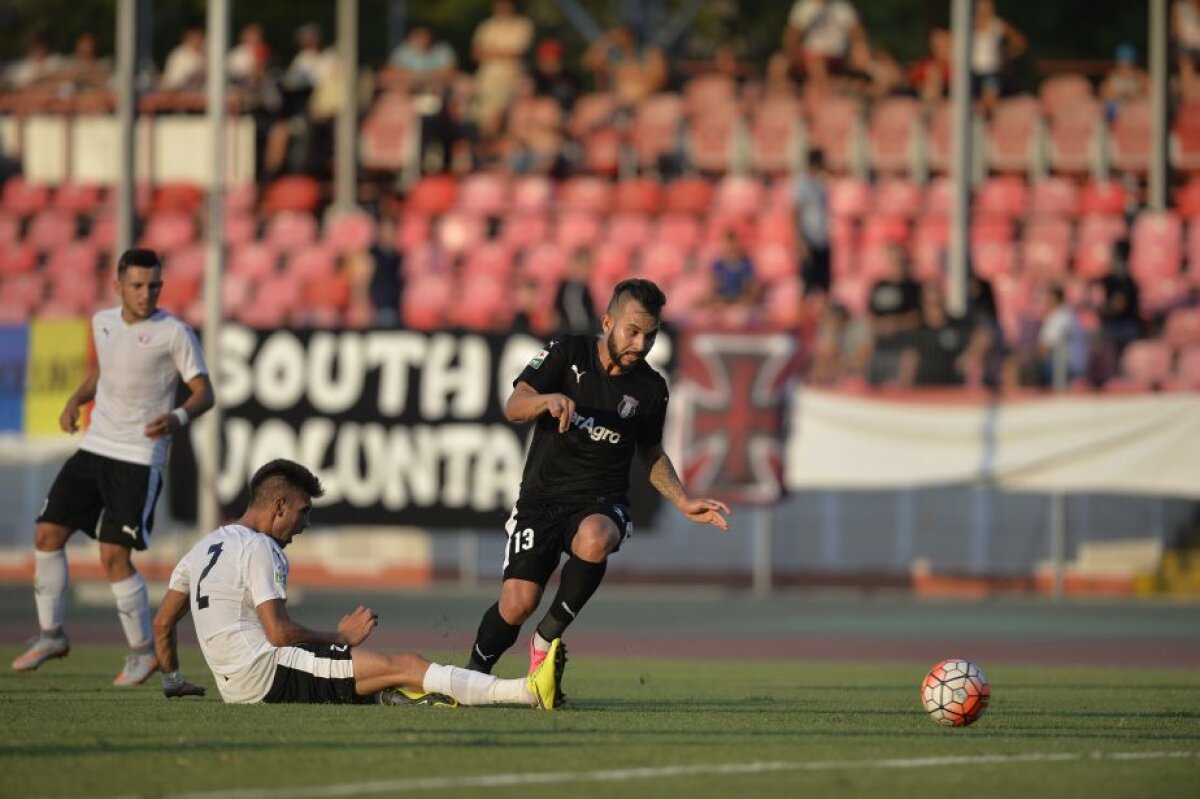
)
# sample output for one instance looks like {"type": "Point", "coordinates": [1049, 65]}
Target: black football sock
{"type": "Point", "coordinates": [576, 584]}
{"type": "Point", "coordinates": [494, 638]}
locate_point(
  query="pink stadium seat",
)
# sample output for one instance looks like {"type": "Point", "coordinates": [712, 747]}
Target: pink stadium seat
{"type": "Point", "coordinates": [712, 139]}
{"type": "Point", "coordinates": [72, 259]}
{"type": "Point", "coordinates": [411, 229]}
{"type": "Point", "coordinates": [781, 196]}
{"type": "Point", "coordinates": [1192, 253]}
{"type": "Point", "coordinates": [930, 244]}
{"type": "Point", "coordinates": [1102, 197]}
{"type": "Point", "coordinates": [252, 261]}
{"type": "Point", "coordinates": [737, 194]}
{"type": "Point", "coordinates": [457, 231]}
{"type": "Point", "coordinates": [662, 263]}
{"type": "Point", "coordinates": [434, 194]}
{"type": "Point", "coordinates": [1187, 373]}
{"type": "Point", "coordinates": [76, 198]}
{"type": "Point", "coordinates": [290, 230]}
{"type": "Point", "coordinates": [352, 231]}
{"type": "Point", "coordinates": [237, 291]}
{"type": "Point", "coordinates": [1162, 295]}
{"type": "Point", "coordinates": [880, 229]}
{"type": "Point", "coordinates": [990, 229]}
{"type": "Point", "coordinates": [387, 136]}
{"type": "Point", "coordinates": [611, 263]}
{"type": "Point", "coordinates": [774, 132]}
{"type": "Point", "coordinates": [655, 129]}
{"type": "Point", "coordinates": [1012, 134]}
{"type": "Point", "coordinates": [991, 259]}
{"type": "Point", "coordinates": [484, 193]}
{"type": "Point", "coordinates": [103, 233]}
{"type": "Point", "coordinates": [898, 197]}
{"type": "Point", "coordinates": [577, 229]}
{"type": "Point", "coordinates": [179, 292]}
{"type": "Point", "coordinates": [241, 197]}
{"type": "Point", "coordinates": [939, 197]}
{"type": "Point", "coordinates": [291, 193]}
{"type": "Point", "coordinates": [1185, 138]}
{"type": "Point", "coordinates": [641, 195]}
{"type": "Point", "coordinates": [491, 259]}
{"type": "Point", "coordinates": [79, 295]}
{"type": "Point", "coordinates": [521, 230]}
{"type": "Point", "coordinates": [834, 129]}
{"type": "Point", "coordinates": [1146, 362]}
{"type": "Point", "coordinates": [426, 259]}
{"type": "Point", "coordinates": [10, 229]}
{"type": "Point", "coordinates": [895, 125]}
{"type": "Point", "coordinates": [629, 229]}
{"type": "Point", "coordinates": [784, 302]}
{"type": "Point", "coordinates": [1157, 245]}
{"type": "Point", "coordinates": [585, 193]}
{"type": "Point", "coordinates": [775, 227]}
{"type": "Point", "coordinates": [1131, 139]}
{"type": "Point", "coordinates": [23, 294]}
{"type": "Point", "coordinates": [678, 230]}
{"type": "Point", "coordinates": [1054, 196]}
{"type": "Point", "coordinates": [50, 229]}
{"type": "Point", "coordinates": [688, 194]}
{"type": "Point", "coordinates": [1094, 241]}
{"type": "Point", "coordinates": [23, 198]}
{"type": "Point", "coordinates": [545, 263]}
{"type": "Point", "coordinates": [532, 193]}
{"type": "Point", "coordinates": [184, 198]}
{"type": "Point", "coordinates": [1187, 200]}
{"type": "Point", "coordinates": [328, 290]}
{"type": "Point", "coordinates": [187, 263]}
{"type": "Point", "coordinates": [849, 198]}
{"type": "Point", "coordinates": [1006, 196]}
{"type": "Point", "coordinates": [311, 262]}
{"type": "Point", "coordinates": [1045, 248]}
{"type": "Point", "coordinates": [774, 262]}
{"type": "Point", "coordinates": [1074, 132]}
{"type": "Point", "coordinates": [262, 315]}
{"type": "Point", "coordinates": [1058, 91]}
{"type": "Point", "coordinates": [852, 292]}
{"type": "Point", "coordinates": [481, 305]}
{"type": "Point", "coordinates": [169, 230]}
{"type": "Point", "coordinates": [1182, 328]}
{"type": "Point", "coordinates": [707, 91]}
{"type": "Point", "coordinates": [941, 134]}
{"type": "Point", "coordinates": [238, 227]}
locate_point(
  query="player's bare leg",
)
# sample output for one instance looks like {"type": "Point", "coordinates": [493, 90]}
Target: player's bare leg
{"type": "Point", "coordinates": [133, 609]}
{"type": "Point", "coordinates": [51, 577]}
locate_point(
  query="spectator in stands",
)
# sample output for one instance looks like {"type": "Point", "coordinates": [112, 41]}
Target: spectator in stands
{"type": "Point", "coordinates": [995, 43]}
{"type": "Point", "coordinates": [573, 308]}
{"type": "Point", "coordinates": [186, 64]}
{"type": "Point", "coordinates": [1060, 332]}
{"type": "Point", "coordinates": [983, 361]}
{"type": "Point", "coordinates": [1185, 35]}
{"type": "Point", "coordinates": [1119, 303]}
{"type": "Point", "coordinates": [930, 76]}
{"type": "Point", "coordinates": [291, 142]}
{"type": "Point", "coordinates": [39, 69]}
{"type": "Point", "coordinates": [823, 38]}
{"type": "Point", "coordinates": [935, 357]}
{"type": "Point", "coordinates": [424, 68]}
{"type": "Point", "coordinates": [525, 306]}
{"type": "Point", "coordinates": [882, 76]}
{"type": "Point", "coordinates": [811, 199]}
{"type": "Point", "coordinates": [85, 70]}
{"type": "Point", "coordinates": [842, 349]}
{"type": "Point", "coordinates": [1125, 82]}
{"type": "Point", "coordinates": [386, 283]}
{"type": "Point", "coordinates": [533, 140]}
{"type": "Point", "coordinates": [550, 78]}
{"type": "Point", "coordinates": [777, 80]}
{"type": "Point", "coordinates": [894, 305]}
{"type": "Point", "coordinates": [630, 69]}
{"type": "Point", "coordinates": [499, 47]}
{"type": "Point", "coordinates": [246, 61]}
{"type": "Point", "coordinates": [735, 288]}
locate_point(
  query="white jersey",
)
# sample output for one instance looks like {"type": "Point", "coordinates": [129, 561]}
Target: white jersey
{"type": "Point", "coordinates": [141, 365]}
{"type": "Point", "coordinates": [228, 574]}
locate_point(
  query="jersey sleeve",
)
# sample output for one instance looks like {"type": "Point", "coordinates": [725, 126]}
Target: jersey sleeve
{"type": "Point", "coordinates": [545, 371]}
{"type": "Point", "coordinates": [266, 573]}
{"type": "Point", "coordinates": [186, 353]}
{"type": "Point", "coordinates": [181, 578]}
{"type": "Point", "coordinates": [650, 433]}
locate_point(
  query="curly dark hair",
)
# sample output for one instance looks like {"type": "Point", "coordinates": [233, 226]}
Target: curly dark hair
{"type": "Point", "coordinates": [283, 474]}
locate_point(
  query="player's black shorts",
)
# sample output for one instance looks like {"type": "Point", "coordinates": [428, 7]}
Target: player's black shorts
{"type": "Point", "coordinates": [539, 533]}
{"type": "Point", "coordinates": [110, 500]}
{"type": "Point", "coordinates": [315, 674]}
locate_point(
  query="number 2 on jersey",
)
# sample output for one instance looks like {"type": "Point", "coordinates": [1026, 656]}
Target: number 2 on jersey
{"type": "Point", "coordinates": [201, 599]}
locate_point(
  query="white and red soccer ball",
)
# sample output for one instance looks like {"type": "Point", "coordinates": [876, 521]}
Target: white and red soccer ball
{"type": "Point", "coordinates": [955, 692]}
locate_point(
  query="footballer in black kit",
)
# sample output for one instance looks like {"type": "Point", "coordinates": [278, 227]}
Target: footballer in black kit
{"type": "Point", "coordinates": [595, 403]}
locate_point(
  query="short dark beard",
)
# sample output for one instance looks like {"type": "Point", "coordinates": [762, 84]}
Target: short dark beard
{"type": "Point", "coordinates": [615, 356]}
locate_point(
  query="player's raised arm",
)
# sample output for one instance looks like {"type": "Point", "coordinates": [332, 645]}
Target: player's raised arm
{"type": "Point", "coordinates": [702, 510]}
{"type": "Point", "coordinates": [525, 404]}
{"type": "Point", "coordinates": [173, 608]}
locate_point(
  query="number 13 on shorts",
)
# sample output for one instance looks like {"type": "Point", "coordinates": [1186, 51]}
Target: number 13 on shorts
{"type": "Point", "coordinates": [518, 541]}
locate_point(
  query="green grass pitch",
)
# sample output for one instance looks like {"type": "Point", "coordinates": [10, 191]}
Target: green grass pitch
{"type": "Point", "coordinates": [635, 727]}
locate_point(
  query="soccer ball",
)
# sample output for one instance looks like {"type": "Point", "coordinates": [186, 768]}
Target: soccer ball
{"type": "Point", "coordinates": [955, 692]}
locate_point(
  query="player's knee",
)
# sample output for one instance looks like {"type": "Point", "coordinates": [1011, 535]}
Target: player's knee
{"type": "Point", "coordinates": [517, 606]}
{"type": "Point", "coordinates": [594, 542]}
{"type": "Point", "coordinates": [117, 562]}
{"type": "Point", "coordinates": [50, 537]}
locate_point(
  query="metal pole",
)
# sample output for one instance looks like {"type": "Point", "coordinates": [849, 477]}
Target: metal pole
{"type": "Point", "coordinates": [1159, 178]}
{"type": "Point", "coordinates": [126, 36]}
{"type": "Point", "coordinates": [208, 453]}
{"type": "Point", "coordinates": [345, 166]}
{"type": "Point", "coordinates": [960, 147]}
{"type": "Point", "coordinates": [764, 565]}
{"type": "Point", "coordinates": [1058, 501]}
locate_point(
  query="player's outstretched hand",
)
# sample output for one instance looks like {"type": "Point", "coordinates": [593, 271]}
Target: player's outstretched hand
{"type": "Point", "coordinates": [562, 408]}
{"type": "Point", "coordinates": [356, 626]}
{"type": "Point", "coordinates": [185, 688]}
{"type": "Point", "coordinates": [706, 511]}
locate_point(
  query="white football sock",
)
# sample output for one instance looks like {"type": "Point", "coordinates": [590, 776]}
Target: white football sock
{"type": "Point", "coordinates": [133, 608]}
{"type": "Point", "coordinates": [476, 688]}
{"type": "Point", "coordinates": [540, 643]}
{"type": "Point", "coordinates": [50, 578]}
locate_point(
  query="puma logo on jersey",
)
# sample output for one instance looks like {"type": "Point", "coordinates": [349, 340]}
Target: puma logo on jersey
{"type": "Point", "coordinates": [578, 374]}
{"type": "Point", "coordinates": [596, 432]}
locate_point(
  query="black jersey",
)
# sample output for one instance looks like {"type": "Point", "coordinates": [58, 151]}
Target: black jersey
{"type": "Point", "coordinates": [614, 414]}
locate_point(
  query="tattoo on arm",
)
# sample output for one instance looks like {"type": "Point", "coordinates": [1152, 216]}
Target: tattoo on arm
{"type": "Point", "coordinates": [664, 479]}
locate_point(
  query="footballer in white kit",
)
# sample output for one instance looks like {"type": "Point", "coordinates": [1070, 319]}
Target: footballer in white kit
{"type": "Point", "coordinates": [110, 486]}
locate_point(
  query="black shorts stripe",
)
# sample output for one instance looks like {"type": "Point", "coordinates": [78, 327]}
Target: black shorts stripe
{"type": "Point", "coordinates": [315, 674]}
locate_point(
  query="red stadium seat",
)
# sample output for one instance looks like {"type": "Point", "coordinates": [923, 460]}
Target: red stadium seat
{"type": "Point", "coordinates": [1012, 134]}
{"type": "Point", "coordinates": [545, 263]}
{"type": "Point", "coordinates": [662, 263]}
{"type": "Point", "coordinates": [774, 262]}
{"type": "Point", "coordinates": [1102, 197]}
{"type": "Point", "coordinates": [290, 230]}
{"type": "Point", "coordinates": [1182, 328]}
{"type": "Point", "coordinates": [1157, 245]}
{"type": "Point", "coordinates": [655, 129]}
{"type": "Point", "coordinates": [169, 230]}
{"type": "Point", "coordinates": [388, 134]}
{"type": "Point", "coordinates": [712, 140]}
{"type": "Point", "coordinates": [1094, 241]}
{"type": "Point", "coordinates": [291, 193]}
{"type": "Point", "coordinates": [1185, 138]}
{"type": "Point", "coordinates": [691, 195]}
{"type": "Point", "coordinates": [895, 126]}
{"type": "Point", "coordinates": [23, 198]}
{"type": "Point", "coordinates": [238, 227]}
{"type": "Point", "coordinates": [941, 135]}
{"type": "Point", "coordinates": [1162, 295]}
{"type": "Point", "coordinates": [986, 229]}
{"type": "Point", "coordinates": [492, 259]}
{"type": "Point", "coordinates": [849, 198]}
{"type": "Point", "coordinates": [1054, 196]}
{"type": "Point", "coordinates": [930, 243]}
{"type": "Point", "coordinates": [898, 197]}
{"type": "Point", "coordinates": [1187, 373]}
{"type": "Point", "coordinates": [736, 194]}
{"type": "Point", "coordinates": [641, 195]}
{"type": "Point", "coordinates": [1074, 137]}
{"type": "Point", "coordinates": [10, 229]}
{"type": "Point", "coordinates": [590, 194]}
{"type": "Point", "coordinates": [457, 231]}
{"type": "Point", "coordinates": [481, 305]}
{"type": "Point", "coordinates": [433, 194]}
{"type": "Point", "coordinates": [611, 263]}
{"type": "Point", "coordinates": [253, 261]}
{"type": "Point", "coordinates": [629, 229]}
{"type": "Point", "coordinates": [532, 193]}
{"type": "Point", "coordinates": [1006, 196]}
{"type": "Point", "coordinates": [774, 136]}
{"type": "Point", "coordinates": [1131, 137]}
{"type": "Point", "coordinates": [328, 290]}
{"type": "Point", "coordinates": [991, 259]}
{"type": "Point", "coordinates": [311, 262]}
{"type": "Point", "coordinates": [775, 227]}
{"type": "Point", "coordinates": [521, 230]}
{"type": "Point", "coordinates": [1146, 362]}
{"type": "Point", "coordinates": [241, 197]}
{"type": "Point", "coordinates": [411, 230]}
{"type": "Point", "coordinates": [76, 198]}
{"type": "Point", "coordinates": [1187, 201]}
{"type": "Point", "coordinates": [184, 198]}
{"type": "Point", "coordinates": [591, 112]}
{"type": "Point", "coordinates": [1058, 91]}
{"type": "Point", "coordinates": [484, 193]}
{"type": "Point", "coordinates": [577, 229]}
{"type": "Point", "coordinates": [23, 293]}
{"type": "Point", "coordinates": [707, 91]}
{"type": "Point", "coordinates": [74, 259]}
{"type": "Point", "coordinates": [881, 229]}
{"type": "Point", "coordinates": [835, 129]}
{"type": "Point", "coordinates": [939, 197]}
{"type": "Point", "coordinates": [1045, 247]}
{"type": "Point", "coordinates": [602, 151]}
{"type": "Point", "coordinates": [50, 229]}
{"type": "Point", "coordinates": [103, 233]}
{"type": "Point", "coordinates": [178, 292]}
{"type": "Point", "coordinates": [352, 231]}
{"type": "Point", "coordinates": [679, 230]}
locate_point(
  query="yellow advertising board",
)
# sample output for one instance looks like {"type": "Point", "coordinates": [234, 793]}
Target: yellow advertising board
{"type": "Point", "coordinates": [58, 363]}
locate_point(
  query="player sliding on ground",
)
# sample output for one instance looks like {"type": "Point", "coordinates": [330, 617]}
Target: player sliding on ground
{"type": "Point", "coordinates": [594, 403]}
{"type": "Point", "coordinates": [235, 583]}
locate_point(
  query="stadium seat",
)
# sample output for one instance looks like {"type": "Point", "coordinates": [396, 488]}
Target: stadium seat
{"type": "Point", "coordinates": [940, 138]}
{"type": "Point", "coordinates": [411, 230]}
{"type": "Point", "coordinates": [521, 230]}
{"type": "Point", "coordinates": [481, 305]}
{"type": "Point", "coordinates": [1192, 252]}
{"type": "Point", "coordinates": [1185, 138]}
{"type": "Point", "coordinates": [72, 259]}
{"type": "Point", "coordinates": [179, 292]}
{"type": "Point", "coordinates": [629, 229]}
{"type": "Point", "coordinates": [835, 129]}
{"type": "Point", "coordinates": [237, 291]}
{"type": "Point", "coordinates": [1102, 197]}
{"type": "Point", "coordinates": [532, 193]}
{"type": "Point", "coordinates": [458, 231]}
{"type": "Point", "coordinates": [774, 137]}
{"type": "Point", "coordinates": [1146, 362]}
{"type": "Point", "coordinates": [1006, 196]}
{"type": "Point", "coordinates": [76, 198]}
{"type": "Point", "coordinates": [78, 295]}
{"type": "Point", "coordinates": [590, 113]}
{"type": "Point", "coordinates": [1156, 245]}
{"type": "Point", "coordinates": [291, 193]}
{"type": "Point", "coordinates": [654, 133]}
{"type": "Point", "coordinates": [638, 195]}
{"type": "Point", "coordinates": [611, 263]}
{"type": "Point", "coordinates": [290, 230]}
{"type": "Point", "coordinates": [738, 194]}
{"type": "Point", "coordinates": [986, 229]}
{"type": "Point", "coordinates": [1045, 247]}
{"type": "Point", "coordinates": [849, 198]}
{"type": "Point", "coordinates": [1162, 295]}
{"type": "Point", "coordinates": [168, 230]}
{"type": "Point", "coordinates": [184, 198]}
{"type": "Point", "coordinates": [679, 230]}
{"type": "Point", "coordinates": [853, 292]}
{"type": "Point", "coordinates": [103, 232]}
{"type": "Point", "coordinates": [49, 229]}
{"type": "Point", "coordinates": [433, 194]}
{"type": "Point", "coordinates": [10, 229]}
{"type": "Point", "coordinates": [388, 134]}
{"type": "Point", "coordinates": [1074, 137]}
{"type": "Point", "coordinates": [586, 193]}
{"type": "Point", "coordinates": [1130, 136]}
{"type": "Point", "coordinates": [712, 140]}
{"type": "Point", "coordinates": [545, 263]}
{"type": "Point", "coordinates": [707, 91]}
{"type": "Point", "coordinates": [187, 262]}
{"type": "Point", "coordinates": [991, 259]}
{"type": "Point", "coordinates": [311, 262]}
{"type": "Point", "coordinates": [23, 198]}
{"type": "Point", "coordinates": [241, 197]}
{"type": "Point", "coordinates": [1012, 134]}
{"type": "Point", "coordinates": [774, 262]}
{"type": "Point", "coordinates": [938, 197]}
{"type": "Point", "coordinates": [577, 229]}
{"type": "Point", "coordinates": [881, 229]}
{"type": "Point", "coordinates": [1187, 371]}
{"type": "Point", "coordinates": [325, 290]}
{"type": "Point", "coordinates": [484, 193]}
{"type": "Point", "coordinates": [662, 263]}
{"type": "Point", "coordinates": [1094, 240]}
{"type": "Point", "coordinates": [1182, 328]}
{"type": "Point", "coordinates": [898, 197]}
{"type": "Point", "coordinates": [23, 293]}
{"type": "Point", "coordinates": [1058, 91]}
{"type": "Point", "coordinates": [350, 231]}
{"type": "Point", "coordinates": [252, 261]}
{"type": "Point", "coordinates": [775, 227]}
{"type": "Point", "coordinates": [892, 135]}
{"type": "Point", "coordinates": [1187, 201]}
{"type": "Point", "coordinates": [688, 194]}
{"type": "Point", "coordinates": [492, 259]}
{"type": "Point", "coordinates": [238, 227]}
{"type": "Point", "coordinates": [930, 244]}
{"type": "Point", "coordinates": [1054, 196]}
{"type": "Point", "coordinates": [602, 151]}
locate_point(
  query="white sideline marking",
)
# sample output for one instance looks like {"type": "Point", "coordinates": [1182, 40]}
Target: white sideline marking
{"type": "Point", "coordinates": [657, 772]}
